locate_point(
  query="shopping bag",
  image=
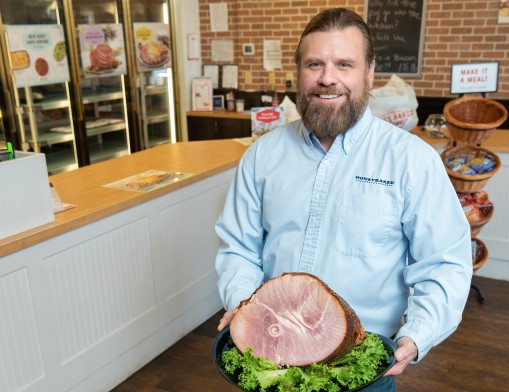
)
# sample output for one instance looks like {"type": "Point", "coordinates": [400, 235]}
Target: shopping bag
{"type": "Point", "coordinates": [396, 103]}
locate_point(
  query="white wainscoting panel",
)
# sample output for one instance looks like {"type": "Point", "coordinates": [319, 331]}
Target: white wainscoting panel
{"type": "Point", "coordinates": [495, 234]}
{"type": "Point", "coordinates": [189, 257]}
{"type": "Point", "coordinates": [20, 355]}
{"type": "Point", "coordinates": [82, 311]}
{"type": "Point", "coordinates": [100, 285]}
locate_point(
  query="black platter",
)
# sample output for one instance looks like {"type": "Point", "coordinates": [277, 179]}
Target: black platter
{"type": "Point", "coordinates": [222, 344]}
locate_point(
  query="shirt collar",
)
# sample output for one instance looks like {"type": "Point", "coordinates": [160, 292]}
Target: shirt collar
{"type": "Point", "coordinates": [354, 134]}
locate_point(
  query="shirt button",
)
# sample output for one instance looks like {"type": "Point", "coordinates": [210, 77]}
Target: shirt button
{"type": "Point", "coordinates": [326, 163]}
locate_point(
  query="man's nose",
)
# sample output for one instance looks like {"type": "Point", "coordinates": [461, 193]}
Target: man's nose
{"type": "Point", "coordinates": [328, 76]}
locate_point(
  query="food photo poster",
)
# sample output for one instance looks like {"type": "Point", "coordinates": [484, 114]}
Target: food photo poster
{"type": "Point", "coordinates": [38, 54]}
{"type": "Point", "coordinates": [152, 43]}
{"type": "Point", "coordinates": [503, 12]}
{"type": "Point", "coordinates": [102, 50]}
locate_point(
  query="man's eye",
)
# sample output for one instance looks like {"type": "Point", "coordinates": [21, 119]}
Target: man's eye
{"type": "Point", "coordinates": [343, 65]}
{"type": "Point", "coordinates": [314, 65]}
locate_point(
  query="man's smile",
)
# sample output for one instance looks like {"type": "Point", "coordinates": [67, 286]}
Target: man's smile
{"type": "Point", "coordinates": [328, 96]}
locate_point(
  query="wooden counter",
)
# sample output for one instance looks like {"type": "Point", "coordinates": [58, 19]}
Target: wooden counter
{"type": "Point", "coordinates": [245, 115]}
{"type": "Point", "coordinates": [84, 187]}
{"type": "Point", "coordinates": [497, 142]}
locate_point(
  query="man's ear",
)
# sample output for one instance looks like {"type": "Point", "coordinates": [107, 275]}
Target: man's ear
{"type": "Point", "coordinates": [371, 74]}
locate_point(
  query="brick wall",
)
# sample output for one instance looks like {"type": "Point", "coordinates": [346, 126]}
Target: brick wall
{"type": "Point", "coordinates": [457, 31]}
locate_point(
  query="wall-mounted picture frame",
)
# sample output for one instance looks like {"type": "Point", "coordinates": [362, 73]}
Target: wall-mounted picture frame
{"type": "Point", "coordinates": [230, 76]}
{"type": "Point", "coordinates": [248, 50]}
{"type": "Point", "coordinates": [212, 71]}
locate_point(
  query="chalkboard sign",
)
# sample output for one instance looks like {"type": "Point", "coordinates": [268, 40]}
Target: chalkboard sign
{"type": "Point", "coordinates": [397, 27]}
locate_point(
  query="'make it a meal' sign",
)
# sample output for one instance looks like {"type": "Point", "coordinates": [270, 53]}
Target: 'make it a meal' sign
{"type": "Point", "coordinates": [474, 78]}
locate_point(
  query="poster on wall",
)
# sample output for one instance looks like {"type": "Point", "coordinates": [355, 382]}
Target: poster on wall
{"type": "Point", "coordinates": [102, 50]}
{"type": "Point", "coordinates": [38, 54]}
{"type": "Point", "coordinates": [503, 12]}
{"type": "Point", "coordinates": [272, 55]}
{"type": "Point", "coordinates": [152, 43]}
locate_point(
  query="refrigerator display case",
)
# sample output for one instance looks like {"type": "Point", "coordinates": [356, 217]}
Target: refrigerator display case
{"type": "Point", "coordinates": [102, 73]}
{"type": "Point", "coordinates": [116, 95]}
{"type": "Point", "coordinates": [156, 118]}
{"type": "Point", "coordinates": [45, 123]}
{"type": "Point", "coordinates": [151, 31]}
{"type": "Point", "coordinates": [38, 83]}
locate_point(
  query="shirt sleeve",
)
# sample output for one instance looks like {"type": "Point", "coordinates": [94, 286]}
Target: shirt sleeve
{"type": "Point", "coordinates": [241, 234]}
{"type": "Point", "coordinates": [439, 268]}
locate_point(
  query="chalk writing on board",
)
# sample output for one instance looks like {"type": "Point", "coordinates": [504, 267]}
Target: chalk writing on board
{"type": "Point", "coordinates": [397, 29]}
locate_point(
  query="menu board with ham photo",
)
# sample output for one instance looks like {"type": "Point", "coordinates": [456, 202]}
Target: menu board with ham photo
{"type": "Point", "coordinates": [152, 42]}
{"type": "Point", "coordinates": [38, 54]}
{"type": "Point", "coordinates": [102, 50]}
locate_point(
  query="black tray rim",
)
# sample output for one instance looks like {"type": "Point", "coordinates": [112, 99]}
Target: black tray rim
{"type": "Point", "coordinates": [220, 345]}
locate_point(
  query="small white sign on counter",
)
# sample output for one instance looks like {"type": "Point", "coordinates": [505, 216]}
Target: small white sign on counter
{"type": "Point", "coordinates": [202, 94]}
{"type": "Point", "coordinates": [474, 78]}
{"type": "Point", "coordinates": [25, 195]}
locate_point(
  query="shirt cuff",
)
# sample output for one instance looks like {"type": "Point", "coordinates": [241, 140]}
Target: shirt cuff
{"type": "Point", "coordinates": [421, 334]}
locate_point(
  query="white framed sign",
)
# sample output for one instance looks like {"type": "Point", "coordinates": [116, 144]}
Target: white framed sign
{"type": "Point", "coordinates": [152, 43]}
{"type": "Point", "coordinates": [202, 94]}
{"type": "Point", "coordinates": [212, 71]}
{"type": "Point", "coordinates": [474, 78]}
{"type": "Point", "coordinates": [230, 76]}
{"type": "Point", "coordinates": [102, 50]}
{"type": "Point", "coordinates": [38, 54]}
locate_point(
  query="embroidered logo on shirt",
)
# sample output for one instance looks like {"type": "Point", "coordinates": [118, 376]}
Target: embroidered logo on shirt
{"type": "Point", "coordinates": [375, 181]}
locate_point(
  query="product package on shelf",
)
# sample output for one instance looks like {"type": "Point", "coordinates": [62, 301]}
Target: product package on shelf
{"type": "Point", "coordinates": [265, 119]}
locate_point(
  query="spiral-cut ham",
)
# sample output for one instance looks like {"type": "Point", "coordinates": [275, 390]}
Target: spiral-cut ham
{"type": "Point", "coordinates": [295, 320]}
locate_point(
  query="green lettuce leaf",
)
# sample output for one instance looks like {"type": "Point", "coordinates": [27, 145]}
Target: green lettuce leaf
{"type": "Point", "coordinates": [356, 368]}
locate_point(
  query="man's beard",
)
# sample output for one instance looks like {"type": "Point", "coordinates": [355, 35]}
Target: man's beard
{"type": "Point", "coordinates": [327, 120]}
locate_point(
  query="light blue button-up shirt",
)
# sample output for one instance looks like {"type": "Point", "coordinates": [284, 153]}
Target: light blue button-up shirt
{"type": "Point", "coordinates": [376, 218]}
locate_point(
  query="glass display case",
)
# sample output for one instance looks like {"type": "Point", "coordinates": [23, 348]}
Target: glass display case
{"type": "Point", "coordinates": [100, 86]}
{"type": "Point", "coordinates": [45, 123]}
{"type": "Point", "coordinates": [103, 72]}
{"type": "Point", "coordinates": [35, 48]}
{"type": "Point", "coordinates": [156, 113]}
{"type": "Point", "coordinates": [152, 42]}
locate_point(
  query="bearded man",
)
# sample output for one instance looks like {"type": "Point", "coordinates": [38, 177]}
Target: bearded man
{"type": "Point", "coordinates": [365, 206]}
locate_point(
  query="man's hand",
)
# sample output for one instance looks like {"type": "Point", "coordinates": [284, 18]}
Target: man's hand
{"type": "Point", "coordinates": [227, 318]}
{"type": "Point", "coordinates": [406, 352]}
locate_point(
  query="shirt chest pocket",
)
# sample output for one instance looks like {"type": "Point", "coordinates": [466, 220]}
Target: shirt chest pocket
{"type": "Point", "coordinates": [365, 222]}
